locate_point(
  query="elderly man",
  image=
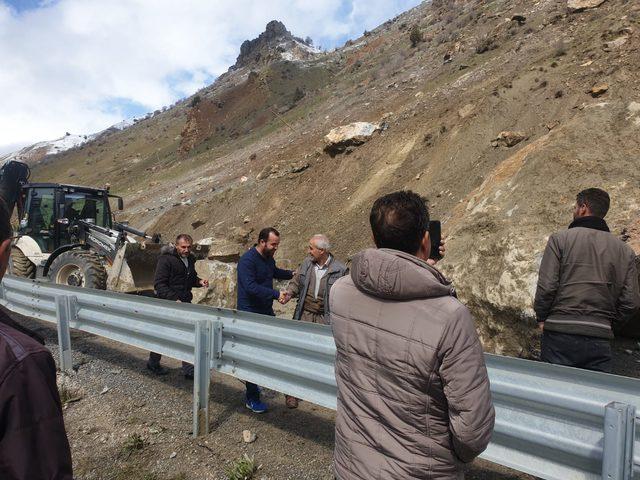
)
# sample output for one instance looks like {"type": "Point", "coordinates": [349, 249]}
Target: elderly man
{"type": "Point", "coordinates": [313, 280]}
{"type": "Point", "coordinates": [311, 284]}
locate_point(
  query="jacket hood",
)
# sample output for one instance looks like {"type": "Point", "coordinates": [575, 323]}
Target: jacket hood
{"type": "Point", "coordinates": [396, 275]}
{"type": "Point", "coordinates": [168, 250]}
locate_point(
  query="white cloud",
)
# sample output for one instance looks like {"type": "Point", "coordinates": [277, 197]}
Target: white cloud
{"type": "Point", "coordinates": [73, 65]}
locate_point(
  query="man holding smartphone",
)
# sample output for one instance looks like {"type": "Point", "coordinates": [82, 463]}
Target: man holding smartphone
{"type": "Point", "coordinates": [413, 391]}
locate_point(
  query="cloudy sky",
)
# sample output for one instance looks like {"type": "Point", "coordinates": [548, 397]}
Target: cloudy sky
{"type": "Point", "coordinates": [81, 65]}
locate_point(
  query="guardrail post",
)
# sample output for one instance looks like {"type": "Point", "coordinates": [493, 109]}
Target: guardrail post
{"type": "Point", "coordinates": [619, 433]}
{"type": "Point", "coordinates": [202, 378]}
{"type": "Point", "coordinates": [216, 344]}
{"type": "Point", "coordinates": [65, 311]}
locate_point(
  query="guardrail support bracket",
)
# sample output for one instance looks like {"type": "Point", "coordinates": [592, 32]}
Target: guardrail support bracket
{"type": "Point", "coordinates": [619, 434]}
{"type": "Point", "coordinates": [65, 313]}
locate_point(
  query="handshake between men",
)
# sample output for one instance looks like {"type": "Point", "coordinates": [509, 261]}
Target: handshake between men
{"type": "Point", "coordinates": [284, 297]}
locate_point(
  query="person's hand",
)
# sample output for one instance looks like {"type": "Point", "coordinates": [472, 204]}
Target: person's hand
{"type": "Point", "coordinates": [204, 283]}
{"type": "Point", "coordinates": [441, 250]}
{"type": "Point", "coordinates": [284, 297]}
{"type": "Point", "coordinates": [541, 326]}
{"type": "Point", "coordinates": [179, 301]}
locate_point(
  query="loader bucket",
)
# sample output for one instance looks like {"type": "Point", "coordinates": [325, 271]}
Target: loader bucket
{"type": "Point", "coordinates": [134, 266]}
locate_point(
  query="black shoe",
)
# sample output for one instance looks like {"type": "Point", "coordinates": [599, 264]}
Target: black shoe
{"type": "Point", "coordinates": [157, 368]}
{"type": "Point", "coordinates": [188, 372]}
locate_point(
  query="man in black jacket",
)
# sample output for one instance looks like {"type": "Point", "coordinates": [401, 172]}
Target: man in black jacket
{"type": "Point", "coordinates": [174, 278]}
{"type": "Point", "coordinates": [33, 441]}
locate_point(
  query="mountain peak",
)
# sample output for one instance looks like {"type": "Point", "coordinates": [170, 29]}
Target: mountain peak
{"type": "Point", "coordinates": [275, 43]}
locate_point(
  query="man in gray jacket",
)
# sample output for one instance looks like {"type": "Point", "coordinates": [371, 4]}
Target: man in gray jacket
{"type": "Point", "coordinates": [413, 391]}
{"type": "Point", "coordinates": [311, 284]}
{"type": "Point", "coordinates": [587, 281]}
{"type": "Point", "coordinates": [313, 280]}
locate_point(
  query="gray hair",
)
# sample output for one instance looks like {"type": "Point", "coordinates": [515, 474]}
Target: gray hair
{"type": "Point", "coordinates": [321, 241]}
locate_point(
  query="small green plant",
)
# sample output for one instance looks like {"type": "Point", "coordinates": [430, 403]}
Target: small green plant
{"type": "Point", "coordinates": [242, 469]}
{"type": "Point", "coordinates": [415, 36]}
{"type": "Point", "coordinates": [195, 101]}
{"type": "Point", "coordinates": [133, 443]}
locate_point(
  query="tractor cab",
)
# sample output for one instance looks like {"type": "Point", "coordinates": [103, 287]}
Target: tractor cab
{"type": "Point", "coordinates": [48, 211]}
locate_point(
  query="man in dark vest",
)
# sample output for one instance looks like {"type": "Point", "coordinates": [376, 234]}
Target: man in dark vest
{"type": "Point", "coordinates": [174, 278]}
{"type": "Point", "coordinates": [311, 285]}
{"type": "Point", "coordinates": [587, 282]}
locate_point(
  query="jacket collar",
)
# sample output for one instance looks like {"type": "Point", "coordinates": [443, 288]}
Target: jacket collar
{"type": "Point", "coordinates": [595, 223]}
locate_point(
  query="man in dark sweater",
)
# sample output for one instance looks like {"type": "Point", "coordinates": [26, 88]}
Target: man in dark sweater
{"type": "Point", "coordinates": [256, 271]}
{"type": "Point", "coordinates": [33, 441]}
{"type": "Point", "coordinates": [175, 276]}
{"type": "Point", "coordinates": [587, 282]}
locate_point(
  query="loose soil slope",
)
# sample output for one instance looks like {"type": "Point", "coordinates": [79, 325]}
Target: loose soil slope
{"type": "Point", "coordinates": [226, 159]}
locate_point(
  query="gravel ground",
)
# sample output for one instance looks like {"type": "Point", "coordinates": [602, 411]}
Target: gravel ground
{"type": "Point", "coordinates": [114, 399]}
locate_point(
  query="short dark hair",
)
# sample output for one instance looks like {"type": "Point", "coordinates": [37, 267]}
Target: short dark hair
{"type": "Point", "coordinates": [184, 236]}
{"type": "Point", "coordinates": [263, 236]}
{"type": "Point", "coordinates": [5, 222]}
{"type": "Point", "coordinates": [399, 220]}
{"type": "Point", "coordinates": [596, 199]}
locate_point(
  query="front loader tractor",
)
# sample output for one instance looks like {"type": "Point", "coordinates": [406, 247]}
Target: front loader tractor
{"type": "Point", "coordinates": [67, 234]}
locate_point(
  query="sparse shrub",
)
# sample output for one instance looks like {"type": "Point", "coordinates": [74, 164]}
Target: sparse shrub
{"type": "Point", "coordinates": [133, 443]}
{"type": "Point", "coordinates": [242, 469]}
{"type": "Point", "coordinates": [298, 95]}
{"type": "Point", "coordinates": [485, 44]}
{"type": "Point", "coordinates": [560, 49]}
{"type": "Point", "coordinates": [415, 36]}
{"type": "Point", "coordinates": [195, 101]}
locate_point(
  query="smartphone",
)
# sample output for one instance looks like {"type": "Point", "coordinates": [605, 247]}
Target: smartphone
{"type": "Point", "coordinates": [435, 236]}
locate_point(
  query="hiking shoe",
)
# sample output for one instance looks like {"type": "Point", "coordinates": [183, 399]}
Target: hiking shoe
{"type": "Point", "coordinates": [291, 402]}
{"type": "Point", "coordinates": [255, 405]}
{"type": "Point", "coordinates": [157, 368]}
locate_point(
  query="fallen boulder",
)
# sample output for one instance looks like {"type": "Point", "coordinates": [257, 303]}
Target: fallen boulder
{"type": "Point", "coordinates": [599, 89]}
{"type": "Point", "coordinates": [352, 135]}
{"type": "Point", "coordinates": [580, 5]}
{"type": "Point", "coordinates": [508, 139]}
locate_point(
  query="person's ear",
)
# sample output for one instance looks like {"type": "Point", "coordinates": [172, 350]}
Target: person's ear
{"type": "Point", "coordinates": [425, 247]}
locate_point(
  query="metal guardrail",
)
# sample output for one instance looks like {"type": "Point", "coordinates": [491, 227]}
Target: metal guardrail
{"type": "Point", "coordinates": [554, 422]}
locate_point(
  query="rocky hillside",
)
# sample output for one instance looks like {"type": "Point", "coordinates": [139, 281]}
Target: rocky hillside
{"type": "Point", "coordinates": [498, 111]}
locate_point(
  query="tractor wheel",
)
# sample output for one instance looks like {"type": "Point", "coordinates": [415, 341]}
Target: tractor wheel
{"type": "Point", "coordinates": [20, 265]}
{"type": "Point", "coordinates": [79, 268]}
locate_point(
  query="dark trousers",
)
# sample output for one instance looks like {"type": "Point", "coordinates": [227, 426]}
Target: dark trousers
{"type": "Point", "coordinates": [253, 391]}
{"type": "Point", "coordinates": [154, 359]}
{"type": "Point", "coordinates": [590, 353]}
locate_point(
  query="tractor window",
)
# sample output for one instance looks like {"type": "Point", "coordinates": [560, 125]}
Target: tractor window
{"type": "Point", "coordinates": [80, 206]}
{"type": "Point", "coordinates": [40, 220]}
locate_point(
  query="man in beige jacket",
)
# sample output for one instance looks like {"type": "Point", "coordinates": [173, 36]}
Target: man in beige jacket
{"type": "Point", "coordinates": [413, 392]}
